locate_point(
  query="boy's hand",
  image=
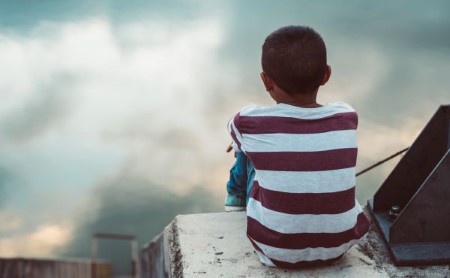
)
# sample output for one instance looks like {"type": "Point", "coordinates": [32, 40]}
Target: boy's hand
{"type": "Point", "coordinates": [230, 147]}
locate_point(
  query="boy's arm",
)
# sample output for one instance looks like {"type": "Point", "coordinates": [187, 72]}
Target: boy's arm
{"type": "Point", "coordinates": [230, 147]}
{"type": "Point", "coordinates": [233, 129]}
{"type": "Point", "coordinates": [235, 126]}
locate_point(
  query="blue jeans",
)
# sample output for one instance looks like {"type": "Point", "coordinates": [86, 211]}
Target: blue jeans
{"type": "Point", "coordinates": [241, 177]}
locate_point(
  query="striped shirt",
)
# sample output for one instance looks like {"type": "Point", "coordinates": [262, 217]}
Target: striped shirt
{"type": "Point", "coordinates": [302, 208]}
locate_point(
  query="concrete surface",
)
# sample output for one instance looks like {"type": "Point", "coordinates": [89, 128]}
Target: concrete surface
{"type": "Point", "coordinates": [215, 245]}
{"type": "Point", "coordinates": [154, 257]}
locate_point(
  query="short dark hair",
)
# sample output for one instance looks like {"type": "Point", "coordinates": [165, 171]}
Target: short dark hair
{"type": "Point", "coordinates": [295, 57]}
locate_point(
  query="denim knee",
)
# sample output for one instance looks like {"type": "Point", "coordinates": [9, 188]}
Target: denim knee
{"type": "Point", "coordinates": [237, 184]}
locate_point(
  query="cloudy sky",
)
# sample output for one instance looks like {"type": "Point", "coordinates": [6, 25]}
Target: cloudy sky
{"type": "Point", "coordinates": [113, 113]}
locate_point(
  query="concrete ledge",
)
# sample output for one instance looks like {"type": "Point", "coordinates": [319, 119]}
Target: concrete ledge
{"type": "Point", "coordinates": [215, 245]}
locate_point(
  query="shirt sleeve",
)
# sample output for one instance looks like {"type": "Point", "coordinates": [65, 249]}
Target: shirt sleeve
{"type": "Point", "coordinates": [233, 129]}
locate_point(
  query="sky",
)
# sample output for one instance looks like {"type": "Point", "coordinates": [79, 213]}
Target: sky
{"type": "Point", "coordinates": [113, 113]}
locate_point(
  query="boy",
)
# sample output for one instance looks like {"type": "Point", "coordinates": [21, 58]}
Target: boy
{"type": "Point", "coordinates": [302, 208]}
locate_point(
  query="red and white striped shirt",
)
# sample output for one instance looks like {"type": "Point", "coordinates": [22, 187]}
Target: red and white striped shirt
{"type": "Point", "coordinates": [302, 206]}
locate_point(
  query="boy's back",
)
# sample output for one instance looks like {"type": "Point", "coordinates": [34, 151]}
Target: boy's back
{"type": "Point", "coordinates": [302, 206]}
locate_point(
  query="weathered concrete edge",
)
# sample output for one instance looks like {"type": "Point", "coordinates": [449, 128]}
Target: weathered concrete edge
{"type": "Point", "coordinates": [161, 257]}
{"type": "Point", "coordinates": [174, 257]}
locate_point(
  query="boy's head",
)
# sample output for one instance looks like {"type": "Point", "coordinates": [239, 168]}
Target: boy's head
{"type": "Point", "coordinates": [295, 58]}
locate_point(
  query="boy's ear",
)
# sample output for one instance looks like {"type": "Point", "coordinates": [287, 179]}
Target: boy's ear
{"type": "Point", "coordinates": [327, 75]}
{"type": "Point", "coordinates": [268, 82]}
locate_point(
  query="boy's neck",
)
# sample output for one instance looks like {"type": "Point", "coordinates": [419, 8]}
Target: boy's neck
{"type": "Point", "coordinates": [300, 100]}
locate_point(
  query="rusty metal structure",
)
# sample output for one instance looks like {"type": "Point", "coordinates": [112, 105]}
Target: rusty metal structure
{"type": "Point", "coordinates": [412, 207]}
{"type": "Point", "coordinates": [136, 269]}
{"type": "Point", "coordinates": [53, 268]}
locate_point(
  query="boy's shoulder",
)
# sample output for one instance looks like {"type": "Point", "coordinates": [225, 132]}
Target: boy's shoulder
{"type": "Point", "coordinates": [286, 110]}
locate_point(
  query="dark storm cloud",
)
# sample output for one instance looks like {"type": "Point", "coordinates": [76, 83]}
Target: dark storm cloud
{"type": "Point", "coordinates": [411, 35]}
{"type": "Point", "coordinates": [399, 25]}
{"type": "Point", "coordinates": [22, 16]}
{"type": "Point", "coordinates": [5, 184]}
{"type": "Point", "coordinates": [132, 205]}
{"type": "Point", "coordinates": [405, 24]}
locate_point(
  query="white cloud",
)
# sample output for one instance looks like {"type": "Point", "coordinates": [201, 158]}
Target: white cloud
{"type": "Point", "coordinates": [40, 243]}
{"type": "Point", "coordinates": [133, 96]}
{"type": "Point", "coordinates": [163, 69]}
